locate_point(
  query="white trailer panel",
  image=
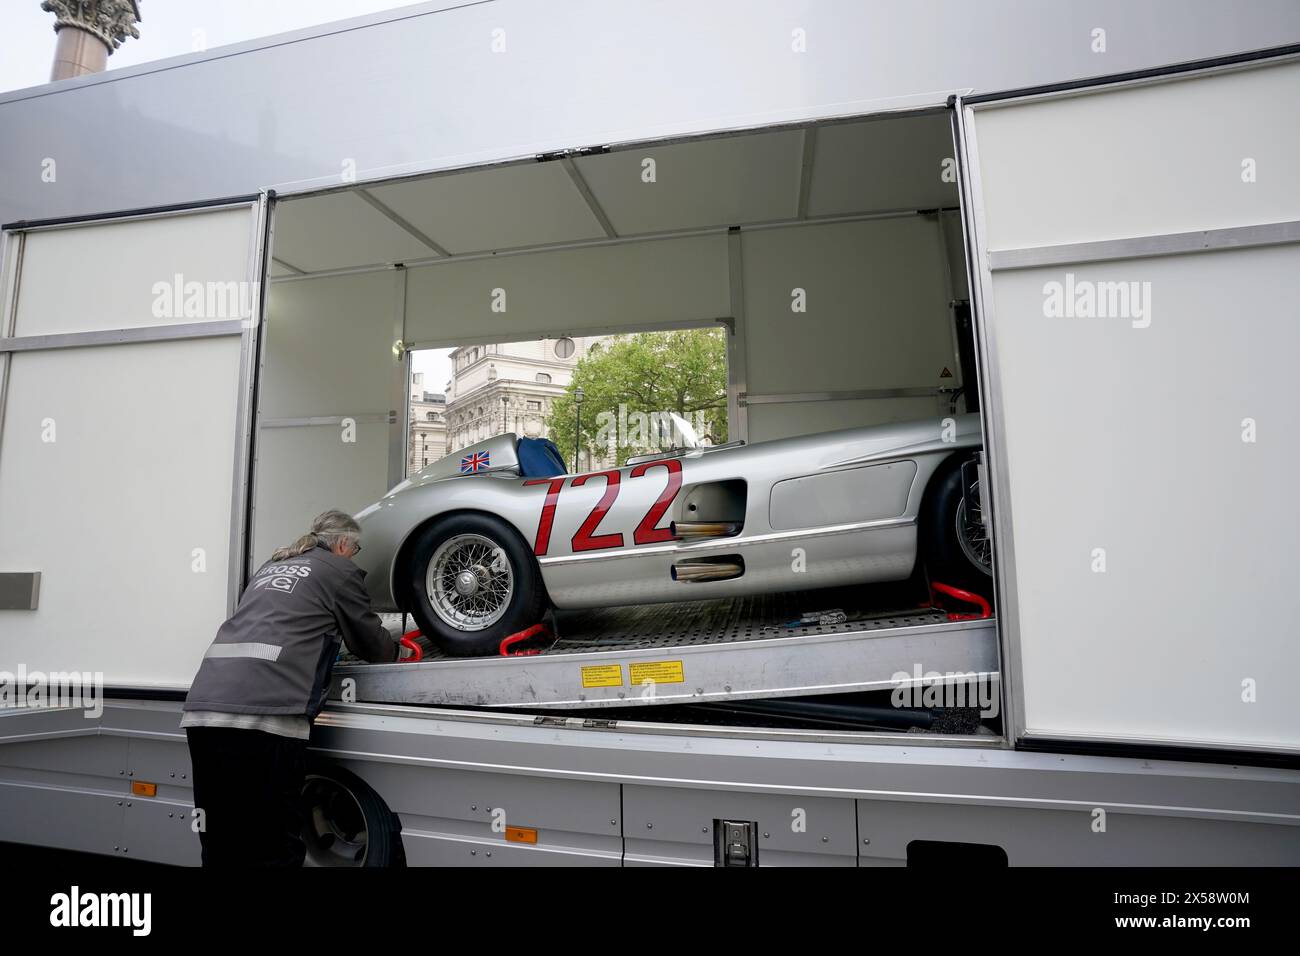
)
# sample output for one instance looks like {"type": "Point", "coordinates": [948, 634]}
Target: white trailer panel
{"type": "Point", "coordinates": [1146, 507]}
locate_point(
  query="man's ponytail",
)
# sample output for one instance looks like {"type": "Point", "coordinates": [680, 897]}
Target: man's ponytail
{"type": "Point", "coordinates": [327, 530]}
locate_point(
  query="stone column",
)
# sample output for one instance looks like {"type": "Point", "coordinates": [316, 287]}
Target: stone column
{"type": "Point", "coordinates": [88, 31]}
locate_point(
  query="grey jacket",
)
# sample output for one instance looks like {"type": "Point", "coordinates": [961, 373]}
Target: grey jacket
{"type": "Point", "coordinates": [276, 653]}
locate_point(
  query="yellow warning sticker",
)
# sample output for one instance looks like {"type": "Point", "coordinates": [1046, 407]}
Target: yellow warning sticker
{"type": "Point", "coordinates": [656, 672]}
{"type": "Point", "coordinates": [602, 675]}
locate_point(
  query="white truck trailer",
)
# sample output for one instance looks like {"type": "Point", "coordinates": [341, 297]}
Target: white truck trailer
{"type": "Point", "coordinates": [1086, 217]}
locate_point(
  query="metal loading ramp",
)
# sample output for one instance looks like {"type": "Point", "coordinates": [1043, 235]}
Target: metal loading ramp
{"type": "Point", "coordinates": [689, 652]}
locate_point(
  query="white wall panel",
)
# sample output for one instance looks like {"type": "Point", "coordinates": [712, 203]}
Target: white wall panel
{"type": "Point", "coordinates": [1141, 453]}
{"type": "Point", "coordinates": [328, 353]}
{"type": "Point", "coordinates": [111, 511]}
{"type": "Point", "coordinates": [769, 422]}
{"type": "Point", "coordinates": [1146, 458]}
{"type": "Point", "coordinates": [1136, 161]}
{"type": "Point", "coordinates": [302, 471]}
{"type": "Point", "coordinates": [328, 345]}
{"type": "Point", "coordinates": [103, 276]}
{"type": "Point", "coordinates": [877, 317]}
{"type": "Point", "coordinates": [628, 285]}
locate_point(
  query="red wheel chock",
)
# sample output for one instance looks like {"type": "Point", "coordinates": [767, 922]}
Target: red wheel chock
{"type": "Point", "coordinates": [969, 597]}
{"type": "Point", "coordinates": [519, 637]}
{"type": "Point", "coordinates": [417, 652]}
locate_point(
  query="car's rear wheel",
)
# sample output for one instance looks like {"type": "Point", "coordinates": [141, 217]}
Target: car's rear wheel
{"type": "Point", "coordinates": [955, 545]}
{"type": "Point", "coordinates": [472, 582]}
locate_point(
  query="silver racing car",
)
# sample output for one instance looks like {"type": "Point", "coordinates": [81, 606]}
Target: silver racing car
{"type": "Point", "coordinates": [479, 544]}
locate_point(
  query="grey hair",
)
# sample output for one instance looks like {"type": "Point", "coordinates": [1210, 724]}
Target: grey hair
{"type": "Point", "coordinates": [327, 530]}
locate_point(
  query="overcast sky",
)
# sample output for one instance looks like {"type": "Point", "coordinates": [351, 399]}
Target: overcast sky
{"type": "Point", "coordinates": [167, 28]}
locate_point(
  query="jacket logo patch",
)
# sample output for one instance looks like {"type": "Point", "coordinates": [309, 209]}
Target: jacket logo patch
{"type": "Point", "coordinates": [281, 577]}
{"type": "Point", "coordinates": [277, 582]}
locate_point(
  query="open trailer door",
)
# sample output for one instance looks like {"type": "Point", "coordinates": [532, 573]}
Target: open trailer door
{"type": "Point", "coordinates": [331, 418]}
{"type": "Point", "coordinates": [1135, 249]}
{"type": "Point", "coordinates": [126, 368]}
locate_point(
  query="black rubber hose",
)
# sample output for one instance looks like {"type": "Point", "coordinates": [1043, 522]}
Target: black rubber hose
{"type": "Point", "coordinates": [845, 715]}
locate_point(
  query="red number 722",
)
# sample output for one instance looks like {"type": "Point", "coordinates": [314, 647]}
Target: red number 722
{"type": "Point", "coordinates": [585, 538]}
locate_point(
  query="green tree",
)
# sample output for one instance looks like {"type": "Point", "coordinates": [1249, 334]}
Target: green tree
{"type": "Point", "coordinates": [648, 374]}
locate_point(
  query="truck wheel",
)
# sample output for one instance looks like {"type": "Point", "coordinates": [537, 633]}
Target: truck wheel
{"type": "Point", "coordinates": [472, 583]}
{"type": "Point", "coordinates": [345, 823]}
{"type": "Point", "coordinates": [954, 544]}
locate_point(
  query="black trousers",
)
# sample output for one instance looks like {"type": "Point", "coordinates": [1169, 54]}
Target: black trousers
{"type": "Point", "coordinates": [248, 783]}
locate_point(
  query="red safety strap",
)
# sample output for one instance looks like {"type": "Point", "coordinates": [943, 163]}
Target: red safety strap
{"type": "Point", "coordinates": [408, 640]}
{"type": "Point", "coordinates": [519, 637]}
{"type": "Point", "coordinates": [969, 597]}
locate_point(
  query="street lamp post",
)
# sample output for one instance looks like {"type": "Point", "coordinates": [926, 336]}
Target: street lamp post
{"type": "Point", "coordinates": [577, 432]}
{"type": "Point", "coordinates": [505, 412]}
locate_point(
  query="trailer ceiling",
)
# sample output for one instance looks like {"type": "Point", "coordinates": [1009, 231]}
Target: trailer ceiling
{"type": "Point", "coordinates": [846, 169]}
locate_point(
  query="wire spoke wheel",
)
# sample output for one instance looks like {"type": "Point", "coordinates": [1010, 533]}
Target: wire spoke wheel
{"type": "Point", "coordinates": [470, 582]}
{"type": "Point", "coordinates": [972, 536]}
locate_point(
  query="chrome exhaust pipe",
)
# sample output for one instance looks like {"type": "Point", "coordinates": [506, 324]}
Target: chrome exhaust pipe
{"type": "Point", "coordinates": [692, 530]}
{"type": "Point", "coordinates": [708, 569]}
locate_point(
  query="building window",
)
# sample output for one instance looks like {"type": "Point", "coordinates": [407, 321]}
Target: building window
{"type": "Point", "coordinates": [429, 417]}
{"type": "Point", "coordinates": [534, 406]}
{"type": "Point", "coordinates": [564, 347]}
{"type": "Point", "coordinates": [543, 378]}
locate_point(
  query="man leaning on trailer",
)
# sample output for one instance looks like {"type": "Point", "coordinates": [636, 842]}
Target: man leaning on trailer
{"type": "Point", "coordinates": [262, 682]}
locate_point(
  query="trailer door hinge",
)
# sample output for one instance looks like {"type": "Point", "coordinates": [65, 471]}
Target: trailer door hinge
{"type": "Point", "coordinates": [734, 843]}
{"type": "Point", "coordinates": [571, 153]}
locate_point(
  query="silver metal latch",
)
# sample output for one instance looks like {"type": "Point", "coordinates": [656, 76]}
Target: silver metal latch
{"type": "Point", "coordinates": [734, 843]}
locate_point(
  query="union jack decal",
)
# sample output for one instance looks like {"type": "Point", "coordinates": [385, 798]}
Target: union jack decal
{"type": "Point", "coordinates": [480, 459]}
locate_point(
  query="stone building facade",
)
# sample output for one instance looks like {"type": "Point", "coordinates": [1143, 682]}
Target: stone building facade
{"type": "Point", "coordinates": [427, 439]}
{"type": "Point", "coordinates": [509, 387]}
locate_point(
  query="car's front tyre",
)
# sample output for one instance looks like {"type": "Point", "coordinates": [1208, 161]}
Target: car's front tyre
{"type": "Point", "coordinates": [472, 582]}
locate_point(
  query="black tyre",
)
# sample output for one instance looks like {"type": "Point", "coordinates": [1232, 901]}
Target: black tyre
{"type": "Point", "coordinates": [472, 582]}
{"type": "Point", "coordinates": [954, 545]}
{"type": "Point", "coordinates": [345, 823]}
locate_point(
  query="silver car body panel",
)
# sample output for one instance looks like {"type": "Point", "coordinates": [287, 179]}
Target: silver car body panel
{"type": "Point", "coordinates": [820, 510]}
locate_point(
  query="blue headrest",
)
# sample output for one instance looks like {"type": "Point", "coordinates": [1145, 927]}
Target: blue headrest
{"type": "Point", "coordinates": [539, 458]}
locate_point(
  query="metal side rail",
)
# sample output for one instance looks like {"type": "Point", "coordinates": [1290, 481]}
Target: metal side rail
{"type": "Point", "coordinates": [691, 652]}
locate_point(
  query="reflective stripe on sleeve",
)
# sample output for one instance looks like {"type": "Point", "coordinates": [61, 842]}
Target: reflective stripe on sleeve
{"type": "Point", "coordinates": [264, 652]}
